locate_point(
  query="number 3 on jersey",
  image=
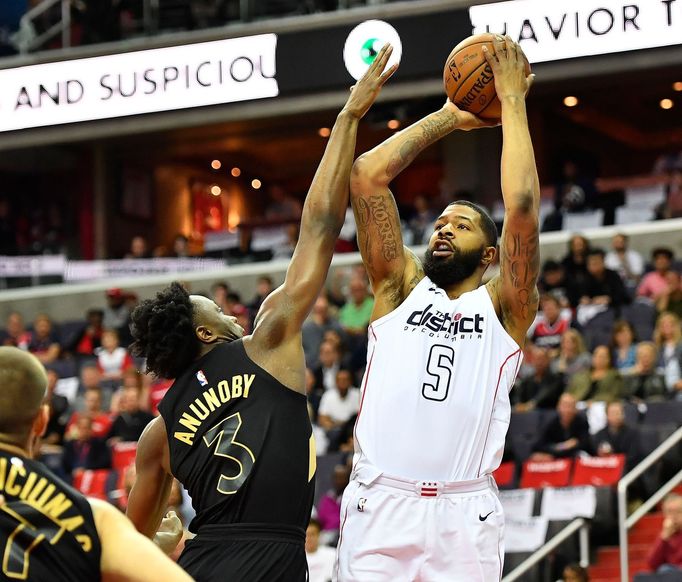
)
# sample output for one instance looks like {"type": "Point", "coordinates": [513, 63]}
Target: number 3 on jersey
{"type": "Point", "coordinates": [223, 435]}
{"type": "Point", "coordinates": [439, 369]}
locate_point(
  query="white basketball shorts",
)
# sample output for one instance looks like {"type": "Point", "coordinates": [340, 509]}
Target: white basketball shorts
{"type": "Point", "coordinates": [395, 530]}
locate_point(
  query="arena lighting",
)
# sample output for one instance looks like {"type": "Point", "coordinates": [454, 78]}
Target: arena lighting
{"type": "Point", "coordinates": [324, 132]}
{"type": "Point", "coordinates": [215, 190]}
{"type": "Point", "coordinates": [666, 103]}
{"type": "Point", "coordinates": [215, 164]}
{"type": "Point", "coordinates": [236, 172]}
{"type": "Point", "coordinates": [393, 124]}
{"type": "Point", "coordinates": [256, 183]}
{"type": "Point", "coordinates": [570, 101]}
{"type": "Point", "coordinates": [677, 86]}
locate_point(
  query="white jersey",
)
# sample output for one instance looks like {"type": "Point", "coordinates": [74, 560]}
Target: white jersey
{"type": "Point", "coordinates": [435, 401]}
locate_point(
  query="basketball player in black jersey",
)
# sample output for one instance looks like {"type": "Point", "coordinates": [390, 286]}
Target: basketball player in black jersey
{"type": "Point", "coordinates": [234, 426]}
{"type": "Point", "coordinates": [49, 532]}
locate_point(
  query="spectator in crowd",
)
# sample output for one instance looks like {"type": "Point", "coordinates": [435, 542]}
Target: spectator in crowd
{"type": "Point", "coordinates": [575, 189]}
{"type": "Point", "coordinates": [139, 249]}
{"type": "Point", "coordinates": [117, 314]}
{"type": "Point", "coordinates": [672, 207]}
{"type": "Point", "coordinates": [286, 250]}
{"type": "Point", "coordinates": [553, 281]}
{"type": "Point", "coordinates": [337, 406]}
{"type": "Point", "coordinates": [601, 289]}
{"type": "Point", "coordinates": [617, 438]}
{"type": "Point", "coordinates": [668, 340]}
{"type": "Point", "coordinates": [15, 333]}
{"type": "Point", "coordinates": [100, 420]}
{"type": "Point", "coordinates": [264, 287]}
{"type": "Point", "coordinates": [282, 206]}
{"type": "Point", "coordinates": [112, 359]}
{"type": "Point", "coordinates": [44, 344]}
{"type": "Point", "coordinates": [219, 293]}
{"type": "Point", "coordinates": [325, 372]}
{"type": "Point", "coordinates": [157, 390]}
{"type": "Point", "coordinates": [59, 411]}
{"type": "Point", "coordinates": [623, 346]}
{"type": "Point", "coordinates": [314, 328]}
{"type": "Point", "coordinates": [90, 377]}
{"type": "Point", "coordinates": [320, 559]}
{"type": "Point", "coordinates": [421, 224]}
{"type": "Point", "coordinates": [671, 299]}
{"type": "Point", "coordinates": [542, 388]}
{"type": "Point", "coordinates": [180, 246]}
{"type": "Point", "coordinates": [131, 420]}
{"type": "Point", "coordinates": [90, 338]}
{"type": "Point", "coordinates": [86, 451]}
{"type": "Point", "coordinates": [313, 394]}
{"type": "Point", "coordinates": [565, 435]}
{"type": "Point", "coordinates": [329, 507]}
{"type": "Point", "coordinates": [666, 555]}
{"type": "Point", "coordinates": [573, 356]}
{"type": "Point", "coordinates": [233, 304]}
{"type": "Point", "coordinates": [655, 284]}
{"type": "Point", "coordinates": [601, 383]}
{"type": "Point", "coordinates": [575, 573]}
{"type": "Point", "coordinates": [550, 324]}
{"type": "Point", "coordinates": [575, 261]}
{"type": "Point", "coordinates": [355, 315]}
{"type": "Point", "coordinates": [645, 382]}
{"type": "Point", "coordinates": [628, 263]}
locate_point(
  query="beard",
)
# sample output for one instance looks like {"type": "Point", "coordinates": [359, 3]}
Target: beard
{"type": "Point", "coordinates": [445, 272]}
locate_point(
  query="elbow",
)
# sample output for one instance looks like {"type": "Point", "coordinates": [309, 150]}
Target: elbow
{"type": "Point", "coordinates": [368, 170]}
{"type": "Point", "coordinates": [523, 204]}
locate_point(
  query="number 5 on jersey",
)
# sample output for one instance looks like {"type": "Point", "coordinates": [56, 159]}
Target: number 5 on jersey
{"type": "Point", "coordinates": [439, 369]}
{"type": "Point", "coordinates": [224, 435]}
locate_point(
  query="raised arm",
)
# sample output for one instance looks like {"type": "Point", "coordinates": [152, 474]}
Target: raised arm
{"type": "Point", "coordinates": [393, 269]}
{"type": "Point", "coordinates": [284, 311]}
{"type": "Point", "coordinates": [514, 290]}
{"type": "Point", "coordinates": [149, 496]}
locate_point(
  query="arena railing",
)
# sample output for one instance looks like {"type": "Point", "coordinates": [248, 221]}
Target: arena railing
{"type": "Point", "coordinates": [28, 42]}
{"type": "Point", "coordinates": [579, 525]}
{"type": "Point", "coordinates": [626, 523]}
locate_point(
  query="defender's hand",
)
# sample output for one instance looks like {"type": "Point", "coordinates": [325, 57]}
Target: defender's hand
{"type": "Point", "coordinates": [367, 89]}
{"type": "Point", "coordinates": [169, 534]}
{"type": "Point", "coordinates": [509, 67]}
{"type": "Point", "coordinates": [464, 120]}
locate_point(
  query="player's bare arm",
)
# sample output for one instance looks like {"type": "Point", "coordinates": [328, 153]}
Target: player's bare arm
{"type": "Point", "coordinates": [128, 555]}
{"type": "Point", "coordinates": [149, 496]}
{"type": "Point", "coordinates": [278, 324]}
{"type": "Point", "coordinates": [392, 268]}
{"type": "Point", "coordinates": [514, 290]}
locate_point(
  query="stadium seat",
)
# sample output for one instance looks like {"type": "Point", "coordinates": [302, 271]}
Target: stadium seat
{"type": "Point", "coordinates": [92, 482]}
{"type": "Point", "coordinates": [504, 475]}
{"type": "Point", "coordinates": [660, 413]}
{"type": "Point", "coordinates": [597, 331]}
{"type": "Point", "coordinates": [123, 455]}
{"type": "Point", "coordinates": [642, 317]}
{"type": "Point", "coordinates": [598, 471]}
{"type": "Point", "coordinates": [537, 474]}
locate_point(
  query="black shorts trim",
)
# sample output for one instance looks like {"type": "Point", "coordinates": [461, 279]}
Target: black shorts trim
{"type": "Point", "coordinates": [260, 532]}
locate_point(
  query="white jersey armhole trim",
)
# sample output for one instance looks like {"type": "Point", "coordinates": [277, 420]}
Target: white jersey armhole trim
{"type": "Point", "coordinates": [390, 315]}
{"type": "Point", "coordinates": [505, 334]}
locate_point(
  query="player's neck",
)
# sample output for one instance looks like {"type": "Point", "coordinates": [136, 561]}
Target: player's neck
{"type": "Point", "coordinates": [11, 446]}
{"type": "Point", "coordinates": [469, 284]}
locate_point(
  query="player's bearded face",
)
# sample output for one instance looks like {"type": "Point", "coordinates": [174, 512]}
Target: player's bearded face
{"type": "Point", "coordinates": [457, 266]}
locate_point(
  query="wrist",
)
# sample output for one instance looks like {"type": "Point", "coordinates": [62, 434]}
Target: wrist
{"type": "Point", "coordinates": [348, 116]}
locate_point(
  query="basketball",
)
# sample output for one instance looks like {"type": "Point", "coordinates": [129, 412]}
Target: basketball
{"type": "Point", "coordinates": [468, 78]}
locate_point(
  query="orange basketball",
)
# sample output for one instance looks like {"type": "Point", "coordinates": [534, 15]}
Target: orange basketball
{"type": "Point", "coordinates": [468, 78]}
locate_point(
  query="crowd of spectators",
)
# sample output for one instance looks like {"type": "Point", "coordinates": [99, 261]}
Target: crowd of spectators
{"type": "Point", "coordinates": [99, 398]}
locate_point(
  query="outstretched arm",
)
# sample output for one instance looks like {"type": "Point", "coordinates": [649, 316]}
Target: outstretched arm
{"type": "Point", "coordinates": [514, 290]}
{"type": "Point", "coordinates": [323, 213]}
{"type": "Point", "coordinates": [393, 269]}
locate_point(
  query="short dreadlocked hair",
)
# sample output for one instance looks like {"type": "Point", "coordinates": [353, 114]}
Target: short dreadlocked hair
{"type": "Point", "coordinates": [163, 332]}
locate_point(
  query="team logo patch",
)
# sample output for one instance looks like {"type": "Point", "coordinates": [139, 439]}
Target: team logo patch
{"type": "Point", "coordinates": [361, 503]}
{"type": "Point", "coordinates": [202, 378]}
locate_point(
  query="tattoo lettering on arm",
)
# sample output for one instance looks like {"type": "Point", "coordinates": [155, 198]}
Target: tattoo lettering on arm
{"type": "Point", "coordinates": [386, 228]}
{"type": "Point", "coordinates": [432, 129]}
{"type": "Point", "coordinates": [521, 264]}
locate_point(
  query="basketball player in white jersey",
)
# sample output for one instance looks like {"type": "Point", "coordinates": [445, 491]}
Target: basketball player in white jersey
{"type": "Point", "coordinates": [443, 354]}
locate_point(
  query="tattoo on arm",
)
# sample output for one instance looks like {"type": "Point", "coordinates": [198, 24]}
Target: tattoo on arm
{"type": "Point", "coordinates": [432, 129]}
{"type": "Point", "coordinates": [382, 217]}
{"type": "Point", "coordinates": [521, 264]}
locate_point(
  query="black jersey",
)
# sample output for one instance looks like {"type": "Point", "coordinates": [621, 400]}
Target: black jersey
{"type": "Point", "coordinates": [47, 530]}
{"type": "Point", "coordinates": [240, 442]}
